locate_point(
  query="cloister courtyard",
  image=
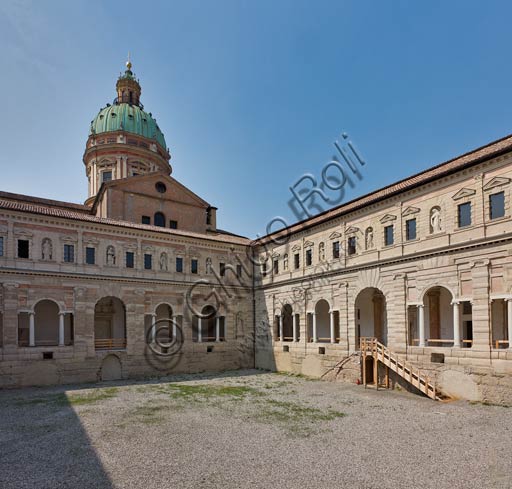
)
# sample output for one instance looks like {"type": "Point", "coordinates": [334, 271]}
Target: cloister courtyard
{"type": "Point", "coordinates": [249, 429]}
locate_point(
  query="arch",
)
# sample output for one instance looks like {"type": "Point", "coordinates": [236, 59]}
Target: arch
{"type": "Point", "coordinates": [111, 368]}
{"type": "Point", "coordinates": [159, 219]}
{"type": "Point", "coordinates": [438, 315]}
{"type": "Point", "coordinates": [208, 323]}
{"type": "Point", "coordinates": [323, 329]}
{"type": "Point", "coordinates": [46, 323]}
{"type": "Point", "coordinates": [110, 324]}
{"type": "Point", "coordinates": [433, 285]}
{"type": "Point", "coordinates": [287, 313]}
{"type": "Point", "coordinates": [371, 315]}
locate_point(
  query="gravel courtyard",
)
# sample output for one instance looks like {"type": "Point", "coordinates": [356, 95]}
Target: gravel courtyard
{"type": "Point", "coordinates": [248, 429]}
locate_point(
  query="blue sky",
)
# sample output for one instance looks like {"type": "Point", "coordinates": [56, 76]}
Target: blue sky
{"type": "Point", "coordinates": [252, 95]}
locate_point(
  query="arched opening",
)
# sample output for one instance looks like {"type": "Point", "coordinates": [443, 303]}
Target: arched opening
{"type": "Point", "coordinates": [46, 323]}
{"type": "Point", "coordinates": [371, 315]}
{"type": "Point", "coordinates": [111, 368]}
{"type": "Point", "coordinates": [323, 328]}
{"type": "Point", "coordinates": [287, 323]}
{"type": "Point", "coordinates": [438, 311]}
{"type": "Point", "coordinates": [164, 323]}
{"type": "Point", "coordinates": [109, 324]}
{"type": "Point", "coordinates": [159, 219]}
{"type": "Point", "coordinates": [205, 327]}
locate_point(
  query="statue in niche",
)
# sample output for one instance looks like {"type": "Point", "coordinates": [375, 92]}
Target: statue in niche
{"type": "Point", "coordinates": [111, 256]}
{"type": "Point", "coordinates": [239, 325]}
{"type": "Point", "coordinates": [285, 261]}
{"type": "Point", "coordinates": [321, 251]}
{"type": "Point", "coordinates": [435, 220]}
{"type": "Point", "coordinates": [208, 265]}
{"type": "Point", "coordinates": [369, 239]}
{"type": "Point", "coordinates": [47, 249]}
{"type": "Point", "coordinates": [163, 262]}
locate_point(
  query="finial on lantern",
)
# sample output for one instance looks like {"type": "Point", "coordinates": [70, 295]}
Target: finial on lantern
{"type": "Point", "coordinates": [129, 63]}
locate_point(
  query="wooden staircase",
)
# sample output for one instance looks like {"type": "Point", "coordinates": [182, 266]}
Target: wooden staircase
{"type": "Point", "coordinates": [370, 347]}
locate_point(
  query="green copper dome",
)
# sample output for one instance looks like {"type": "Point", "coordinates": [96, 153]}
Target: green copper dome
{"type": "Point", "coordinates": [129, 118]}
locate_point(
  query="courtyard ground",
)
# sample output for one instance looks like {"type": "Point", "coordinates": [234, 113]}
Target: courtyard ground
{"type": "Point", "coordinates": [248, 429]}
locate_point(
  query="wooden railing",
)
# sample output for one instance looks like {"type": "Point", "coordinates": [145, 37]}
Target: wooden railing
{"type": "Point", "coordinates": [110, 344]}
{"type": "Point", "coordinates": [500, 344]}
{"type": "Point", "coordinates": [380, 353]}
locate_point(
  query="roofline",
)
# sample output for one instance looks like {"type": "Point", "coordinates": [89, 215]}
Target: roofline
{"type": "Point", "coordinates": [410, 182]}
{"type": "Point", "coordinates": [92, 219]}
{"type": "Point", "coordinates": [49, 202]}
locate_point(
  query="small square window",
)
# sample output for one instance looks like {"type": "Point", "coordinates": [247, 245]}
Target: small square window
{"type": "Point", "coordinates": [148, 261]}
{"type": "Point", "coordinates": [69, 253]}
{"type": "Point", "coordinates": [497, 205]}
{"type": "Point", "coordinates": [106, 176]}
{"type": "Point", "coordinates": [464, 214]}
{"type": "Point", "coordinates": [23, 248]}
{"type": "Point", "coordinates": [130, 259]}
{"type": "Point", "coordinates": [336, 249]}
{"type": "Point", "coordinates": [276, 266]}
{"type": "Point", "coordinates": [296, 260]}
{"type": "Point", "coordinates": [193, 266]}
{"type": "Point", "coordinates": [351, 245]}
{"type": "Point", "coordinates": [179, 264]}
{"type": "Point", "coordinates": [146, 220]}
{"type": "Point", "coordinates": [309, 257]}
{"type": "Point", "coordinates": [173, 224]}
{"type": "Point", "coordinates": [222, 269]}
{"type": "Point", "coordinates": [410, 229]}
{"type": "Point", "coordinates": [90, 256]}
{"type": "Point", "coordinates": [1, 246]}
{"type": "Point", "coordinates": [389, 239]}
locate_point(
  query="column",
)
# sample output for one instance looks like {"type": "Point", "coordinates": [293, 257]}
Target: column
{"type": "Point", "coordinates": [295, 327]}
{"type": "Point", "coordinates": [217, 329]}
{"type": "Point", "coordinates": [61, 328]}
{"type": "Point", "coordinates": [509, 322]}
{"type": "Point", "coordinates": [281, 337]}
{"type": "Point", "coordinates": [199, 330]}
{"type": "Point", "coordinates": [174, 319]}
{"type": "Point", "coordinates": [315, 337]}
{"type": "Point", "coordinates": [456, 324]}
{"type": "Point", "coordinates": [331, 325]}
{"type": "Point", "coordinates": [32, 330]}
{"type": "Point", "coordinates": [421, 324]}
{"type": "Point", "coordinates": [153, 327]}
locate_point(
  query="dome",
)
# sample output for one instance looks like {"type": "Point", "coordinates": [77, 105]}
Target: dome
{"type": "Point", "coordinates": [129, 118]}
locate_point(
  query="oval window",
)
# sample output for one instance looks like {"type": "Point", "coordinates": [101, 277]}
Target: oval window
{"type": "Point", "coordinates": [160, 187]}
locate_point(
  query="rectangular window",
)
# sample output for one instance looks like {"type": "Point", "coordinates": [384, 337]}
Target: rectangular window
{"type": "Point", "coordinates": [309, 257]}
{"type": "Point", "coordinates": [296, 260]}
{"type": "Point", "coordinates": [351, 245]}
{"type": "Point", "coordinates": [90, 256]}
{"type": "Point", "coordinates": [1, 246]}
{"type": "Point", "coordinates": [69, 253]}
{"type": "Point", "coordinates": [23, 248]}
{"type": "Point", "coordinates": [193, 266]}
{"type": "Point", "coordinates": [336, 249]}
{"type": "Point", "coordinates": [264, 269]}
{"type": "Point", "coordinates": [179, 264]}
{"type": "Point", "coordinates": [276, 266]}
{"type": "Point", "coordinates": [222, 268]}
{"type": "Point", "coordinates": [497, 205]}
{"type": "Point", "coordinates": [173, 224]}
{"type": "Point", "coordinates": [388, 235]}
{"type": "Point", "coordinates": [239, 271]}
{"type": "Point", "coordinates": [106, 176]}
{"type": "Point", "coordinates": [130, 259]}
{"type": "Point", "coordinates": [410, 229]}
{"type": "Point", "coordinates": [146, 220]}
{"type": "Point", "coordinates": [464, 214]}
{"type": "Point", "coordinates": [148, 261]}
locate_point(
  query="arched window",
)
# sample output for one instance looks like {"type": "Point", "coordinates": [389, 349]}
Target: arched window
{"type": "Point", "coordinates": [159, 219]}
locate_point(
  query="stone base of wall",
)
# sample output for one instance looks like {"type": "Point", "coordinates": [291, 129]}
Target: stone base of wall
{"type": "Point", "coordinates": [117, 365]}
{"type": "Point", "coordinates": [489, 383]}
